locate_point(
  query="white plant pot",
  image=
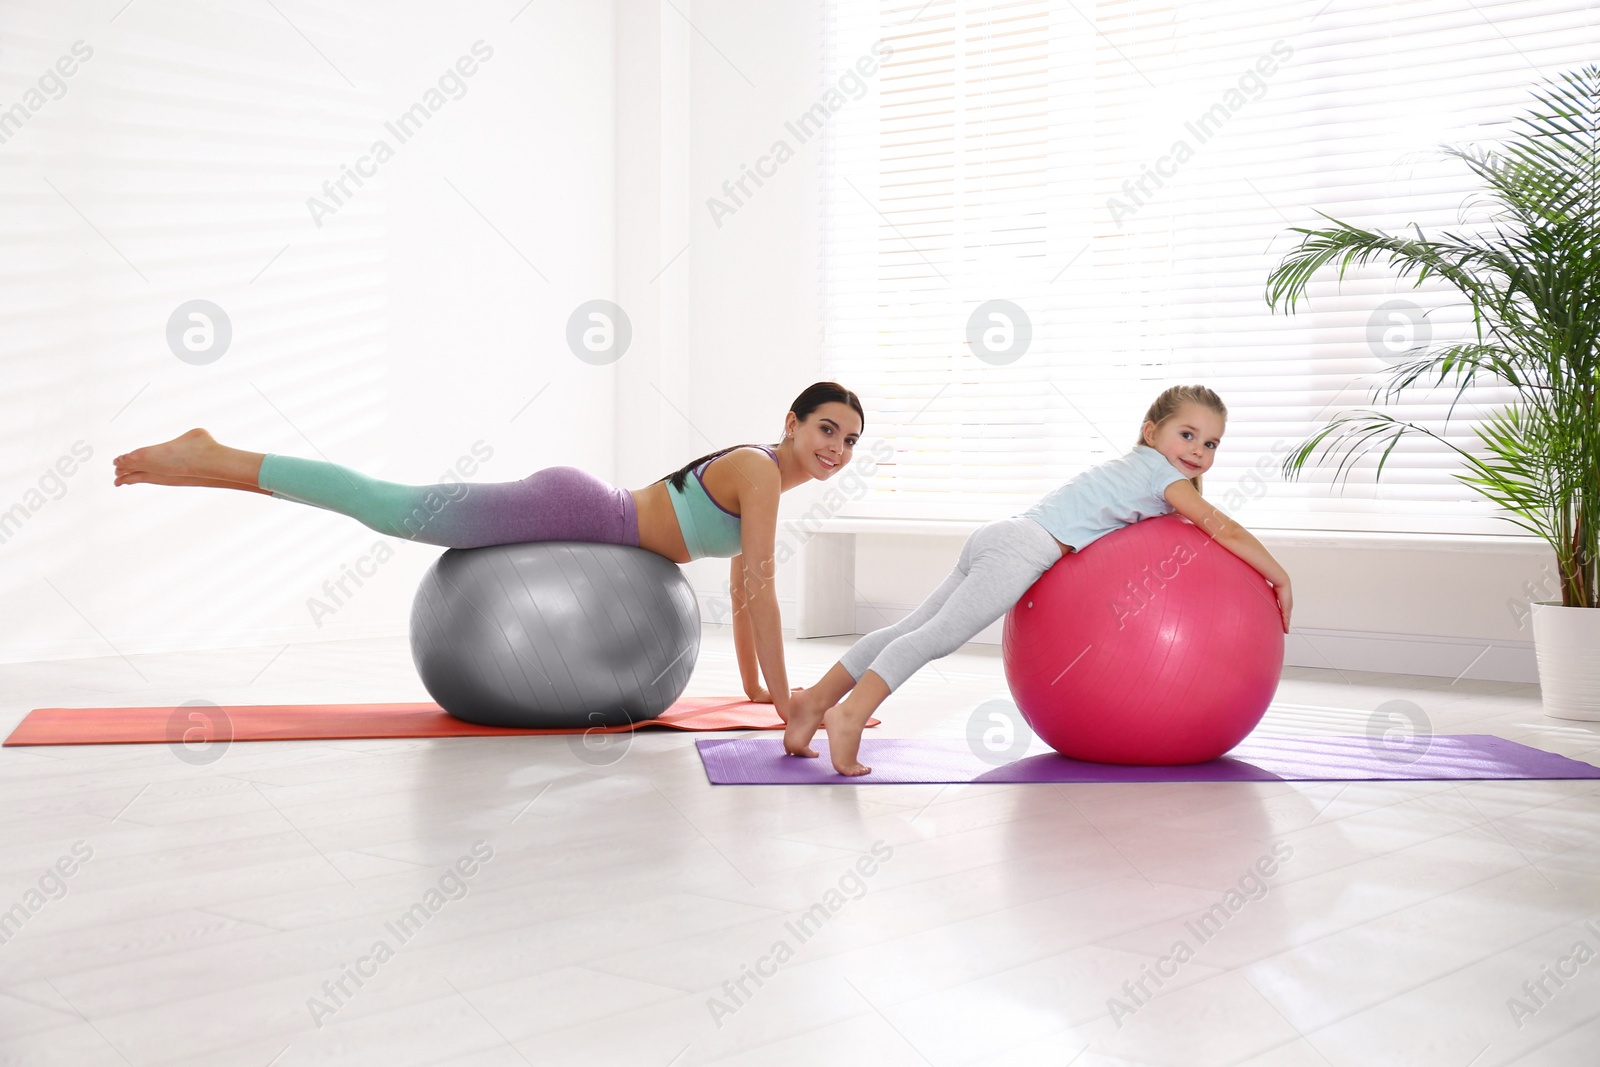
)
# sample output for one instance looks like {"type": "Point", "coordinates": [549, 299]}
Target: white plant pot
{"type": "Point", "coordinates": [1567, 644]}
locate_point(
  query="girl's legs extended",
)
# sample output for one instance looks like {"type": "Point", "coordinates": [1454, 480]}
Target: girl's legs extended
{"type": "Point", "coordinates": [556, 504]}
{"type": "Point", "coordinates": [1000, 561]}
{"type": "Point", "coordinates": [807, 709]}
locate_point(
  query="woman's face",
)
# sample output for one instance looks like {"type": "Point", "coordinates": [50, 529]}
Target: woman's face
{"type": "Point", "coordinates": [826, 440]}
{"type": "Point", "coordinates": [1189, 439]}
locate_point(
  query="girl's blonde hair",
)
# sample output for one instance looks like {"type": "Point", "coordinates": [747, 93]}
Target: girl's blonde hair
{"type": "Point", "coordinates": [1168, 403]}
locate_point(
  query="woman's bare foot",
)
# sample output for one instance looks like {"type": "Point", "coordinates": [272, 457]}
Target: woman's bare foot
{"type": "Point", "coordinates": [193, 458]}
{"type": "Point", "coordinates": [208, 483]}
{"type": "Point", "coordinates": [805, 718]}
{"type": "Point", "coordinates": [844, 722]}
{"type": "Point", "coordinates": [185, 456]}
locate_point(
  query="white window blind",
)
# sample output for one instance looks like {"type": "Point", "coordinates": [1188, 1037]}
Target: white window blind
{"type": "Point", "coordinates": [1126, 173]}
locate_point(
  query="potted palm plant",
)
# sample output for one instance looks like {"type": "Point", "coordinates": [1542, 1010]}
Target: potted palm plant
{"type": "Point", "coordinates": [1533, 281]}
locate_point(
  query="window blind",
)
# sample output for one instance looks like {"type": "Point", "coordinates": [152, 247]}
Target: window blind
{"type": "Point", "coordinates": [1125, 173]}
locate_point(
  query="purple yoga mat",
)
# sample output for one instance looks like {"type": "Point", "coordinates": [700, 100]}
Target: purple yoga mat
{"type": "Point", "coordinates": [902, 761]}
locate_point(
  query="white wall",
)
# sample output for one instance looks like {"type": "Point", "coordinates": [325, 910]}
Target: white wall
{"type": "Point", "coordinates": [755, 323]}
{"type": "Point", "coordinates": [413, 322]}
{"type": "Point", "coordinates": [407, 327]}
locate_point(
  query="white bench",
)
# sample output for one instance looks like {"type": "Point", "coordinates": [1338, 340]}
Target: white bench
{"type": "Point", "coordinates": [825, 557]}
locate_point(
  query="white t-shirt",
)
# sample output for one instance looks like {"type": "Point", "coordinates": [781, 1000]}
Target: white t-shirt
{"type": "Point", "coordinates": [1114, 494]}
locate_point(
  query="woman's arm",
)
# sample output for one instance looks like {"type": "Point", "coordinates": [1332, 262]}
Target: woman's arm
{"type": "Point", "coordinates": [758, 530]}
{"type": "Point", "coordinates": [1187, 501]}
{"type": "Point", "coordinates": [744, 649]}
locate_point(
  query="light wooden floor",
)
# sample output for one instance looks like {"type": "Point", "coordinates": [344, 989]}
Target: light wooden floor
{"type": "Point", "coordinates": [626, 897]}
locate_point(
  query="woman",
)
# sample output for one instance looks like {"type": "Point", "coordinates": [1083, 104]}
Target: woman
{"type": "Point", "coordinates": [722, 504]}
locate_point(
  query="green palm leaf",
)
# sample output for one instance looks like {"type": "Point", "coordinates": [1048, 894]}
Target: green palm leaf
{"type": "Point", "coordinates": [1533, 282]}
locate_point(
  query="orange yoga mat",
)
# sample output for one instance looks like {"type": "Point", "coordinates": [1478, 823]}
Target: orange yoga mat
{"type": "Point", "coordinates": [326, 722]}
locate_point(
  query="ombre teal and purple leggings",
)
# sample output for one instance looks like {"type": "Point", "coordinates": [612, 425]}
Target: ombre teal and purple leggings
{"type": "Point", "coordinates": [555, 504]}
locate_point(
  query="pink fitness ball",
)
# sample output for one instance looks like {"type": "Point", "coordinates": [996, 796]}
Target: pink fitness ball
{"type": "Point", "coordinates": [1154, 645]}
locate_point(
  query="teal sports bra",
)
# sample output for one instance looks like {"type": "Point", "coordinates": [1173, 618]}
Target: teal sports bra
{"type": "Point", "coordinates": [709, 529]}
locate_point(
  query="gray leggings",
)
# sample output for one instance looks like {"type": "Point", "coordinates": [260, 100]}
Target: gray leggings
{"type": "Point", "coordinates": [997, 565]}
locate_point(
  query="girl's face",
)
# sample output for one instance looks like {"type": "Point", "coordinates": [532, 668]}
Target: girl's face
{"type": "Point", "coordinates": [826, 440]}
{"type": "Point", "coordinates": [1188, 439]}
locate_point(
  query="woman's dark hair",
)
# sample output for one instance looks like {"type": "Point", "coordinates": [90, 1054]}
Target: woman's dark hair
{"type": "Point", "coordinates": [810, 400]}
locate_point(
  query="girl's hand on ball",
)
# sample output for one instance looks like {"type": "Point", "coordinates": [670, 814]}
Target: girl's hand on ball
{"type": "Point", "coordinates": [1285, 603]}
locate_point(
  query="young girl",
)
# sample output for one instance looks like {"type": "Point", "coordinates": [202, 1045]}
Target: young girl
{"type": "Point", "coordinates": [1002, 559]}
{"type": "Point", "coordinates": [722, 504]}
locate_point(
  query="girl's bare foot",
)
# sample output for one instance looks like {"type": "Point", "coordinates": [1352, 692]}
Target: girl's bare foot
{"type": "Point", "coordinates": [805, 717]}
{"type": "Point", "coordinates": [193, 458]}
{"type": "Point", "coordinates": [844, 723]}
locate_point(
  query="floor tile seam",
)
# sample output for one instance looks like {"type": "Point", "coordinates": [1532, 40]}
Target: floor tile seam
{"type": "Point", "coordinates": [1409, 800]}
{"type": "Point", "coordinates": [186, 874]}
{"type": "Point", "coordinates": [1556, 1037]}
{"type": "Point", "coordinates": [1317, 874]}
{"type": "Point", "coordinates": [726, 900]}
{"type": "Point", "coordinates": [178, 801]}
{"type": "Point", "coordinates": [1491, 821]}
{"type": "Point", "coordinates": [1388, 853]}
{"type": "Point", "coordinates": [1303, 1036]}
{"type": "Point", "coordinates": [984, 866]}
{"type": "Point", "coordinates": [290, 1042]}
{"type": "Point", "coordinates": [1440, 786]}
{"type": "Point", "coordinates": [304, 931]}
{"type": "Point", "coordinates": [406, 792]}
{"type": "Point", "coordinates": [892, 815]}
{"type": "Point", "coordinates": [1298, 946]}
{"type": "Point", "coordinates": [1431, 980]}
{"type": "Point", "coordinates": [789, 839]}
{"type": "Point", "coordinates": [680, 990]}
{"type": "Point", "coordinates": [1121, 1060]}
{"type": "Point", "coordinates": [760, 921]}
{"type": "Point", "coordinates": [267, 931]}
{"type": "Point", "coordinates": [867, 1012]}
{"type": "Point", "coordinates": [214, 990]}
{"type": "Point", "coordinates": [66, 1015]}
{"type": "Point", "coordinates": [1297, 1038]}
{"type": "Point", "coordinates": [289, 829]}
{"type": "Point", "coordinates": [1525, 811]}
{"type": "Point", "coordinates": [946, 874]}
{"type": "Point", "coordinates": [671, 989]}
{"type": "Point", "coordinates": [887, 942]}
{"type": "Point", "coordinates": [1028, 962]}
{"type": "Point", "coordinates": [1216, 972]}
{"type": "Point", "coordinates": [1097, 828]}
{"type": "Point", "coordinates": [455, 1057]}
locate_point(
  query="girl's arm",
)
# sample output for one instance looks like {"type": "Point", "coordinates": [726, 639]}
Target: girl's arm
{"type": "Point", "coordinates": [1187, 501]}
{"type": "Point", "coordinates": [758, 526]}
{"type": "Point", "coordinates": [744, 649]}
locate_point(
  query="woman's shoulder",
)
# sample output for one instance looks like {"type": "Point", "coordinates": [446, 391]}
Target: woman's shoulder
{"type": "Point", "coordinates": [749, 455]}
{"type": "Point", "coordinates": [755, 463]}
